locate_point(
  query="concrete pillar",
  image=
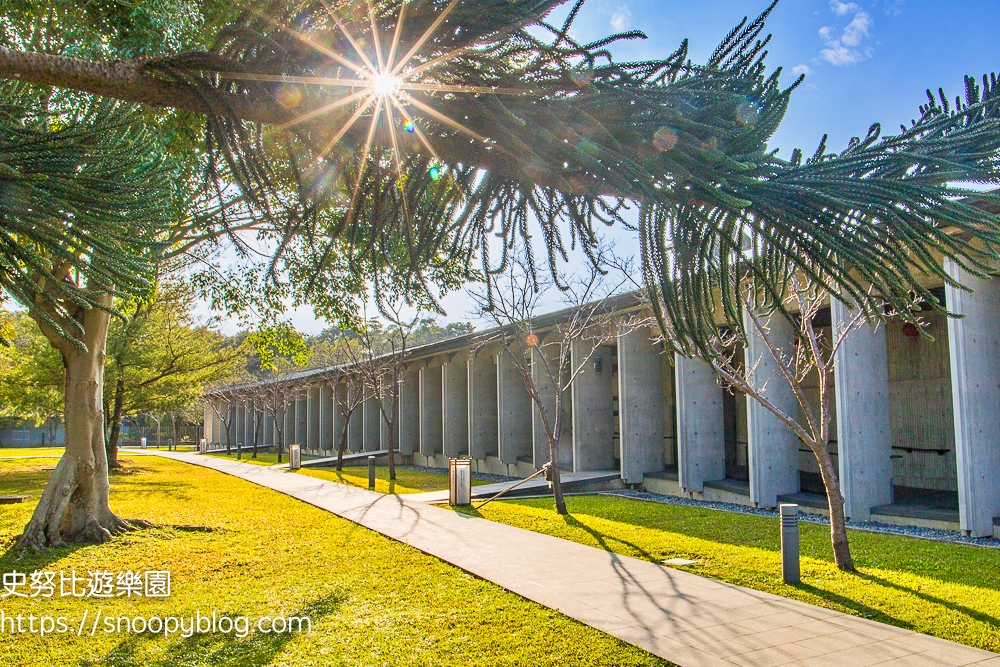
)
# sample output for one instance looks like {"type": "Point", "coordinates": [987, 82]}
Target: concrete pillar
{"type": "Point", "coordinates": [217, 426]}
{"type": "Point", "coordinates": [288, 424]}
{"type": "Point", "coordinates": [640, 404]}
{"type": "Point", "coordinates": [701, 444]}
{"type": "Point", "coordinates": [301, 418]}
{"type": "Point", "coordinates": [326, 408]}
{"type": "Point", "coordinates": [312, 419]}
{"type": "Point", "coordinates": [864, 432]}
{"type": "Point", "coordinates": [974, 344]}
{"type": "Point", "coordinates": [772, 447]}
{"type": "Point", "coordinates": [250, 423]}
{"type": "Point", "coordinates": [431, 435]}
{"type": "Point", "coordinates": [240, 427]}
{"type": "Point", "coordinates": [482, 406]}
{"type": "Point", "coordinates": [208, 415]}
{"type": "Point", "coordinates": [339, 401]}
{"type": "Point", "coordinates": [267, 430]}
{"type": "Point", "coordinates": [408, 420]}
{"type": "Point", "coordinates": [592, 396]}
{"type": "Point", "coordinates": [372, 424]}
{"type": "Point", "coordinates": [547, 391]}
{"type": "Point", "coordinates": [515, 408]}
{"type": "Point", "coordinates": [455, 408]}
{"type": "Point", "coordinates": [356, 426]}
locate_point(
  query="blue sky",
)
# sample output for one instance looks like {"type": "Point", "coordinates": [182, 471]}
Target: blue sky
{"type": "Point", "coordinates": [864, 62]}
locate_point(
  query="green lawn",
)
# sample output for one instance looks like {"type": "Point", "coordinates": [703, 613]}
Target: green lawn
{"type": "Point", "coordinates": [31, 451]}
{"type": "Point", "coordinates": [263, 458]}
{"type": "Point", "coordinates": [407, 481]}
{"type": "Point", "coordinates": [947, 590]}
{"type": "Point", "coordinates": [239, 549]}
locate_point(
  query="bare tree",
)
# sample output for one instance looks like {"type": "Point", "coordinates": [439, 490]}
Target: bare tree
{"type": "Point", "coordinates": [812, 356]}
{"type": "Point", "coordinates": [274, 396]}
{"type": "Point", "coordinates": [380, 361]}
{"type": "Point", "coordinates": [546, 359]}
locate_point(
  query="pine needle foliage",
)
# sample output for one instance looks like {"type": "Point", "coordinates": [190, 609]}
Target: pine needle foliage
{"type": "Point", "coordinates": [554, 129]}
{"type": "Point", "coordinates": [81, 206]}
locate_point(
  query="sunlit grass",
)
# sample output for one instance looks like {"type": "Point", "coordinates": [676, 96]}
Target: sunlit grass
{"type": "Point", "coordinates": [263, 458]}
{"type": "Point", "coordinates": [947, 590]}
{"type": "Point", "coordinates": [407, 481]}
{"type": "Point", "coordinates": [236, 548]}
{"type": "Point", "coordinates": [31, 451]}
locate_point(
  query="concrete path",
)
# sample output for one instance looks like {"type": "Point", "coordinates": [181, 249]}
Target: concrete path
{"type": "Point", "coordinates": [687, 619]}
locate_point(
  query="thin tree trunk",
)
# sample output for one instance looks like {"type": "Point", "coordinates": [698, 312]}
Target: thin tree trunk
{"type": "Point", "coordinates": [258, 423]}
{"type": "Point", "coordinates": [342, 445]}
{"type": "Point", "coordinates": [838, 522]}
{"type": "Point", "coordinates": [116, 422]}
{"type": "Point", "coordinates": [556, 480]}
{"type": "Point", "coordinates": [74, 505]}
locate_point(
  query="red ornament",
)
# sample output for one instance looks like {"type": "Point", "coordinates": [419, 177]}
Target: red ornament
{"type": "Point", "coordinates": [910, 330]}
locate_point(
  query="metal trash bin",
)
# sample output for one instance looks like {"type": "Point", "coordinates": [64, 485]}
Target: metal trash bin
{"type": "Point", "coordinates": [294, 457]}
{"type": "Point", "coordinates": [202, 446]}
{"type": "Point", "coordinates": [142, 443]}
{"type": "Point", "coordinates": [459, 482]}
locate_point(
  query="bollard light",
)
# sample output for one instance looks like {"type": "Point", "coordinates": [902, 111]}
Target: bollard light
{"type": "Point", "coordinates": [294, 457]}
{"type": "Point", "coordinates": [790, 544]}
{"type": "Point", "coordinates": [459, 482]}
{"type": "Point", "coordinates": [142, 443]}
{"type": "Point", "coordinates": [371, 473]}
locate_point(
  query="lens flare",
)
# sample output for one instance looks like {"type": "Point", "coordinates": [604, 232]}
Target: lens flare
{"type": "Point", "coordinates": [410, 126]}
{"type": "Point", "coordinates": [385, 84]}
{"type": "Point", "coordinates": [436, 172]}
{"type": "Point", "coordinates": [664, 139]}
{"type": "Point", "coordinates": [748, 112]}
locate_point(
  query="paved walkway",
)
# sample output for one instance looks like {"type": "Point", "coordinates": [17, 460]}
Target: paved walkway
{"type": "Point", "coordinates": [536, 485]}
{"type": "Point", "coordinates": [687, 619]}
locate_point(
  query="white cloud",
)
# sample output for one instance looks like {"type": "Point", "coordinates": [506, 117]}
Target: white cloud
{"type": "Point", "coordinates": [842, 8]}
{"type": "Point", "coordinates": [847, 48]}
{"type": "Point", "coordinates": [856, 30]}
{"type": "Point", "coordinates": [801, 69]}
{"type": "Point", "coordinates": [621, 18]}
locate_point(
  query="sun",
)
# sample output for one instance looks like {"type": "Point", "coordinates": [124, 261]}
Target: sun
{"type": "Point", "coordinates": [386, 85]}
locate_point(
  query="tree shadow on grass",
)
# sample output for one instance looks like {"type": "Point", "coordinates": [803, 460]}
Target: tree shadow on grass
{"type": "Point", "coordinates": [858, 608]}
{"type": "Point", "coordinates": [603, 540]}
{"type": "Point", "coordinates": [256, 648]}
{"type": "Point", "coordinates": [954, 606]}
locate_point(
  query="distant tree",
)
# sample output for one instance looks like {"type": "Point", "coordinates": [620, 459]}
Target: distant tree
{"type": "Point", "coordinates": [160, 358]}
{"type": "Point", "coordinates": [31, 372]}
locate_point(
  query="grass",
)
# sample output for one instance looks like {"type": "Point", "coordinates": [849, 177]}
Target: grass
{"type": "Point", "coordinates": [407, 481]}
{"type": "Point", "coordinates": [236, 548]}
{"type": "Point", "coordinates": [263, 458]}
{"type": "Point", "coordinates": [950, 591]}
{"type": "Point", "coordinates": [31, 451]}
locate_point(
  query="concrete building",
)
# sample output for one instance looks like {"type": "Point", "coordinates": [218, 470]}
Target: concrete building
{"type": "Point", "coordinates": [916, 435]}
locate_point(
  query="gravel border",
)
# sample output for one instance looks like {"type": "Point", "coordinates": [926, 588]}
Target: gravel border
{"type": "Point", "coordinates": [869, 526]}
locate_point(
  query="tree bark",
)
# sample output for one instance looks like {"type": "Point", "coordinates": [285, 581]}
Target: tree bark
{"type": "Point", "coordinates": [556, 480]}
{"type": "Point", "coordinates": [838, 522]}
{"type": "Point", "coordinates": [342, 445]}
{"type": "Point", "coordinates": [116, 421]}
{"type": "Point", "coordinates": [74, 505]}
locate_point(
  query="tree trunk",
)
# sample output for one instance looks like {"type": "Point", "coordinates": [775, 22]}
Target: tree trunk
{"type": "Point", "coordinates": [74, 505]}
{"type": "Point", "coordinates": [258, 423]}
{"type": "Point", "coordinates": [556, 481]}
{"type": "Point", "coordinates": [116, 422]}
{"type": "Point", "coordinates": [343, 442]}
{"type": "Point", "coordinates": [838, 523]}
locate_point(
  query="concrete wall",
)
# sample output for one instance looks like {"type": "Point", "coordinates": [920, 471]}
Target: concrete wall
{"type": "Point", "coordinates": [514, 416]}
{"type": "Point", "coordinates": [701, 445]}
{"type": "Point", "coordinates": [455, 407]}
{"type": "Point", "coordinates": [313, 425]}
{"type": "Point", "coordinates": [920, 400]}
{"type": "Point", "coordinates": [592, 408]}
{"type": "Point", "coordinates": [356, 426]}
{"type": "Point", "coordinates": [863, 416]}
{"type": "Point", "coordinates": [773, 448]}
{"type": "Point", "coordinates": [372, 416]}
{"type": "Point", "coordinates": [975, 370]}
{"type": "Point", "coordinates": [327, 438]}
{"type": "Point", "coordinates": [431, 433]}
{"type": "Point", "coordinates": [482, 407]}
{"type": "Point", "coordinates": [640, 405]}
{"type": "Point", "coordinates": [547, 391]}
{"type": "Point", "coordinates": [409, 413]}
